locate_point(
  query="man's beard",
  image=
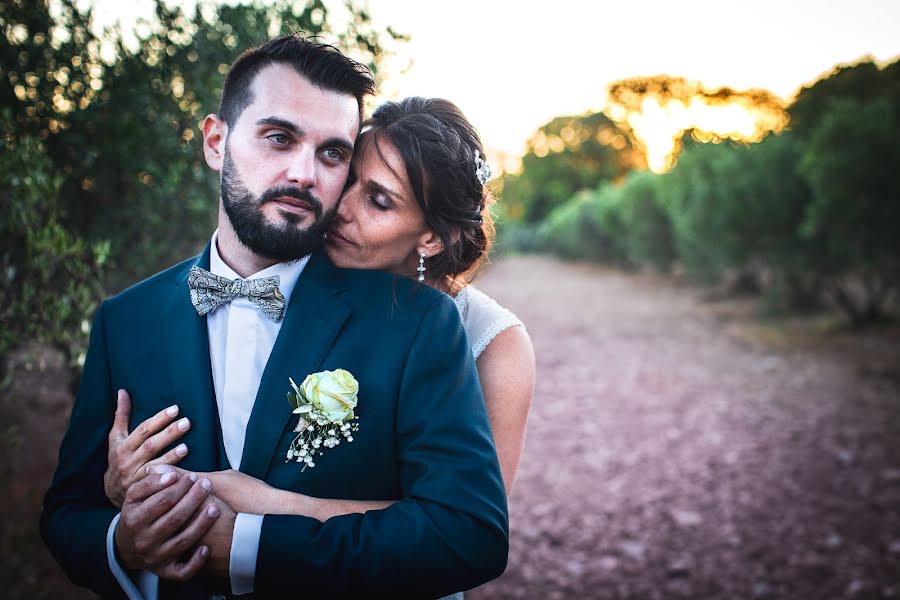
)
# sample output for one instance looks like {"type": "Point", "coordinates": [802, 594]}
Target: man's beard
{"type": "Point", "coordinates": [282, 242]}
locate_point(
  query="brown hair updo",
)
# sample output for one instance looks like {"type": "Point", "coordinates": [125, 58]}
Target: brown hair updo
{"type": "Point", "coordinates": [437, 145]}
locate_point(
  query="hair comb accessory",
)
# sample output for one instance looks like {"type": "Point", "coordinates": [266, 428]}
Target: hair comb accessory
{"type": "Point", "coordinates": [482, 169]}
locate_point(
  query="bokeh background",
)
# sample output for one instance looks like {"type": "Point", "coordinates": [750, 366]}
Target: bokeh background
{"type": "Point", "coordinates": [698, 221]}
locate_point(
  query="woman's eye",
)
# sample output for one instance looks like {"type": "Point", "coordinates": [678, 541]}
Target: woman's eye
{"type": "Point", "coordinates": [279, 138]}
{"type": "Point", "coordinates": [380, 201]}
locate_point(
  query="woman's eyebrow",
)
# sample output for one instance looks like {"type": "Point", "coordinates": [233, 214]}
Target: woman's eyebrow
{"type": "Point", "coordinates": [384, 190]}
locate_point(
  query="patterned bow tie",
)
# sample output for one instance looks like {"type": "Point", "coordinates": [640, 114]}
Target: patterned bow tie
{"type": "Point", "coordinates": [209, 291]}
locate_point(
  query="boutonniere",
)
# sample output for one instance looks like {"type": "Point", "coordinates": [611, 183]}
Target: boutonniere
{"type": "Point", "coordinates": [325, 403]}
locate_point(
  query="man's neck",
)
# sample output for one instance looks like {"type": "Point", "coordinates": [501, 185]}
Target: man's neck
{"type": "Point", "coordinates": [236, 255]}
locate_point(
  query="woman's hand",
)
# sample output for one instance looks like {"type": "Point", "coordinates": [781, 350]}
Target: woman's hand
{"type": "Point", "coordinates": [130, 454]}
{"type": "Point", "coordinates": [244, 493]}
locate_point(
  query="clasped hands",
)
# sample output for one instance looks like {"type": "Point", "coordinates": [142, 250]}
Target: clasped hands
{"type": "Point", "coordinates": [172, 522]}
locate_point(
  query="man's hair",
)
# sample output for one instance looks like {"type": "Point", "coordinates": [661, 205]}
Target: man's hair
{"type": "Point", "coordinates": [322, 64]}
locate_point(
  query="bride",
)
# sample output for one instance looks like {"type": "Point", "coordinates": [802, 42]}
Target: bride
{"type": "Point", "coordinates": [416, 205]}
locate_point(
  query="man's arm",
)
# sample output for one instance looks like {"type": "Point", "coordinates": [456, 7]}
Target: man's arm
{"type": "Point", "coordinates": [450, 530]}
{"type": "Point", "coordinates": [76, 513]}
{"type": "Point", "coordinates": [76, 516]}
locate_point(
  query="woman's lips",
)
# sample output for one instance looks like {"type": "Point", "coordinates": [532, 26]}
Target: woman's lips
{"type": "Point", "coordinates": [335, 236]}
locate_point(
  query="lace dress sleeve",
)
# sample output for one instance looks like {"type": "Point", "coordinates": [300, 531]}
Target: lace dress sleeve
{"type": "Point", "coordinates": [483, 318]}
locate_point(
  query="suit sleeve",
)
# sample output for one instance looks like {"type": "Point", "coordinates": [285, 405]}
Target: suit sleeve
{"type": "Point", "coordinates": [76, 513]}
{"type": "Point", "coordinates": [450, 530]}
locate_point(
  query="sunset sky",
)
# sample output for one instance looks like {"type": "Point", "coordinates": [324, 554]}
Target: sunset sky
{"type": "Point", "coordinates": [514, 65]}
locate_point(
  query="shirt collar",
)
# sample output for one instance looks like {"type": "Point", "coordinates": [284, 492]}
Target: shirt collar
{"type": "Point", "coordinates": [288, 271]}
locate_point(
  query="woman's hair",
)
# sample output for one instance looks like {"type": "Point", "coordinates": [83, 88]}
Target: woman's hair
{"type": "Point", "coordinates": [438, 147]}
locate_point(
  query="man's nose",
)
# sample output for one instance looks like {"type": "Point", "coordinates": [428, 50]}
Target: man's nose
{"type": "Point", "coordinates": [302, 170]}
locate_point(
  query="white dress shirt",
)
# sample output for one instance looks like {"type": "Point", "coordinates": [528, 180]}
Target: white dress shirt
{"type": "Point", "coordinates": [241, 338]}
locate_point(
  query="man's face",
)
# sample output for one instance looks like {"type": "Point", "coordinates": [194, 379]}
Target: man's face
{"type": "Point", "coordinates": [286, 161]}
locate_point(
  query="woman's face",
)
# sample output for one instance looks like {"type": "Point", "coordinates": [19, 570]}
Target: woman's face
{"type": "Point", "coordinates": [379, 224]}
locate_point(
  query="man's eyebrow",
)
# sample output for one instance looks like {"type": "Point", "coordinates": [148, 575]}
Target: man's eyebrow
{"type": "Point", "coordinates": [345, 144]}
{"type": "Point", "coordinates": [281, 124]}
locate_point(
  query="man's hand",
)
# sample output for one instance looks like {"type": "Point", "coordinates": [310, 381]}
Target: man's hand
{"type": "Point", "coordinates": [218, 540]}
{"type": "Point", "coordinates": [164, 517]}
{"type": "Point", "coordinates": [129, 454]}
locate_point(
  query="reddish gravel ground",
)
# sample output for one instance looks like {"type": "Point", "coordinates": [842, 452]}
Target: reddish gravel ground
{"type": "Point", "coordinates": [667, 458]}
{"type": "Point", "coordinates": [674, 450]}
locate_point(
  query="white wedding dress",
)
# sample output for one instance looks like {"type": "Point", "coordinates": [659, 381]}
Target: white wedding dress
{"type": "Point", "coordinates": [483, 318]}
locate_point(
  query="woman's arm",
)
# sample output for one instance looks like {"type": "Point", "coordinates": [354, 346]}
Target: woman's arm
{"type": "Point", "coordinates": [247, 494]}
{"type": "Point", "coordinates": [507, 372]}
{"type": "Point", "coordinates": [506, 369]}
{"type": "Point", "coordinates": [130, 455]}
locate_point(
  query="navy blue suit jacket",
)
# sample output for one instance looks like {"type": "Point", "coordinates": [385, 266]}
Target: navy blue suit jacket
{"type": "Point", "coordinates": [424, 437]}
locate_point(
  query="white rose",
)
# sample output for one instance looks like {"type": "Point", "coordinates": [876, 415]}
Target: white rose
{"type": "Point", "coordinates": [332, 394]}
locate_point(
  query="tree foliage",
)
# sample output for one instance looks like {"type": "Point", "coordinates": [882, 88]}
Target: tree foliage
{"type": "Point", "coordinates": [628, 99]}
{"type": "Point", "coordinates": [567, 155]}
{"type": "Point", "coordinates": [852, 163]}
{"type": "Point", "coordinates": [862, 82]}
{"type": "Point", "coordinates": [114, 121]}
{"type": "Point", "coordinates": [807, 214]}
{"type": "Point", "coordinates": [49, 274]}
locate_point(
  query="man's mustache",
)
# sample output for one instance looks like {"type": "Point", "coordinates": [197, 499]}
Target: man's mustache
{"type": "Point", "coordinates": [287, 191]}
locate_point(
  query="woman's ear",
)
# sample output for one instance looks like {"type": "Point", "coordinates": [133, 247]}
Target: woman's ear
{"type": "Point", "coordinates": [429, 244]}
{"type": "Point", "coordinates": [215, 132]}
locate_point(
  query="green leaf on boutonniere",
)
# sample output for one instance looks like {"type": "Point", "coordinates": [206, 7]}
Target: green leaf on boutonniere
{"type": "Point", "coordinates": [295, 398]}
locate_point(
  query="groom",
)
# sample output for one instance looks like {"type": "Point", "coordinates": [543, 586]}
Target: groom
{"type": "Point", "coordinates": [224, 350]}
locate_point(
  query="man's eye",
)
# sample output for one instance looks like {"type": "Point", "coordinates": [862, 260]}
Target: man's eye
{"type": "Point", "coordinates": [278, 138]}
{"type": "Point", "coordinates": [334, 154]}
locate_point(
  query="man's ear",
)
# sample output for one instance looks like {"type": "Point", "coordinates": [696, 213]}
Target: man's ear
{"type": "Point", "coordinates": [215, 132]}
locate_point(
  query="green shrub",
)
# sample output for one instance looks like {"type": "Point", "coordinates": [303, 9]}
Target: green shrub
{"type": "Point", "coordinates": [50, 275]}
{"type": "Point", "coordinates": [647, 225]}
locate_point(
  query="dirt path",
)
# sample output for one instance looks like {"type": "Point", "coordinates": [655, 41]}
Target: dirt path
{"type": "Point", "coordinates": [666, 459]}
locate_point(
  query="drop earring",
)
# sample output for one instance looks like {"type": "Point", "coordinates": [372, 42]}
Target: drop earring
{"type": "Point", "coordinates": [421, 268]}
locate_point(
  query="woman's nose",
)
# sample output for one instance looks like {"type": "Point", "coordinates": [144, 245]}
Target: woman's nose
{"type": "Point", "coordinates": [347, 202]}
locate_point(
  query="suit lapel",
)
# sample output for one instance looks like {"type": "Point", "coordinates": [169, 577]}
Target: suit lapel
{"type": "Point", "coordinates": [312, 321]}
{"type": "Point", "coordinates": [187, 352]}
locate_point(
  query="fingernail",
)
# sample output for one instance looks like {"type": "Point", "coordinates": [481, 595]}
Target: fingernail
{"type": "Point", "coordinates": [207, 484]}
{"type": "Point", "coordinates": [213, 510]}
{"type": "Point", "coordinates": [193, 477]}
{"type": "Point", "coordinates": [159, 469]}
{"type": "Point", "coordinates": [167, 477]}
{"type": "Point", "coordinates": [204, 551]}
{"type": "Point", "coordinates": [172, 410]}
{"type": "Point", "coordinates": [184, 424]}
{"type": "Point", "coordinates": [181, 449]}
